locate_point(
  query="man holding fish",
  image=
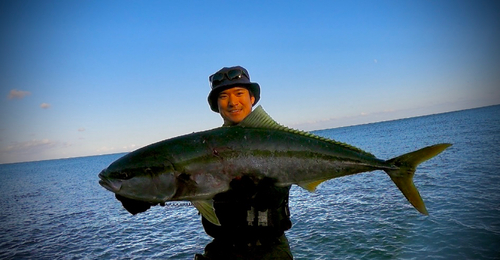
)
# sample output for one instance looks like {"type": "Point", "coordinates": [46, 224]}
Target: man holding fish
{"type": "Point", "coordinates": [253, 216]}
{"type": "Point", "coordinates": [239, 175]}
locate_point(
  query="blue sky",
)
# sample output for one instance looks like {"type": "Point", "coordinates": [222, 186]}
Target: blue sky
{"type": "Point", "coordinates": [82, 78]}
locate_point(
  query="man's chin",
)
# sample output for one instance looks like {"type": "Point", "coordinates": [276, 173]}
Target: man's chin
{"type": "Point", "coordinates": [233, 120]}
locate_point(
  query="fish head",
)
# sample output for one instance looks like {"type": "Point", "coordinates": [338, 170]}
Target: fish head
{"type": "Point", "coordinates": [140, 178]}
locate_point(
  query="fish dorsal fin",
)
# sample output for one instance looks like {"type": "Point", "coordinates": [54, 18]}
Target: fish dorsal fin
{"type": "Point", "coordinates": [260, 119]}
{"type": "Point", "coordinates": [206, 209]}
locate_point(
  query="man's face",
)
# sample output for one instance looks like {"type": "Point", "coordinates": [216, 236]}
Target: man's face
{"type": "Point", "coordinates": [235, 104]}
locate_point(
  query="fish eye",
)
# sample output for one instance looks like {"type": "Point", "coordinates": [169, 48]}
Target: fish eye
{"type": "Point", "coordinates": [124, 175]}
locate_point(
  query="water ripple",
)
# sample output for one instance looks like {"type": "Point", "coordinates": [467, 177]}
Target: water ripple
{"type": "Point", "coordinates": [56, 209]}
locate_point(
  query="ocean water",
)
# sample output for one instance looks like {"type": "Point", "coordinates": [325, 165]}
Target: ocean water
{"type": "Point", "coordinates": [57, 210]}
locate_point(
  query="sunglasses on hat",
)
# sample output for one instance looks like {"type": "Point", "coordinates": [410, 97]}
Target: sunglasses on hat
{"type": "Point", "coordinates": [230, 74]}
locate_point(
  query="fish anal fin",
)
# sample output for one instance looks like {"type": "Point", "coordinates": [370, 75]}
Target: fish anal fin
{"type": "Point", "coordinates": [206, 209]}
{"type": "Point", "coordinates": [310, 186]}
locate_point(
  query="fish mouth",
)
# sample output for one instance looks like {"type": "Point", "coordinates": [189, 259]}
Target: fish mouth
{"type": "Point", "coordinates": [133, 206]}
{"type": "Point", "coordinates": [112, 186]}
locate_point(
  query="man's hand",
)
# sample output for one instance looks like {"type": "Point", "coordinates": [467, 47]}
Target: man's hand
{"type": "Point", "coordinates": [133, 206]}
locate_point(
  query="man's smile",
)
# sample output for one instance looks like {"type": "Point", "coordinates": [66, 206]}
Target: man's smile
{"type": "Point", "coordinates": [234, 111]}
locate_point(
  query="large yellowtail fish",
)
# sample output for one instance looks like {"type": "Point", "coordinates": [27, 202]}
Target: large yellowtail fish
{"type": "Point", "coordinates": [197, 166]}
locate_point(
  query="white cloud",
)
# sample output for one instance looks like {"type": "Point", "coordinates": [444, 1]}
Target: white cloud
{"type": "Point", "coordinates": [129, 148]}
{"type": "Point", "coordinates": [30, 145]}
{"type": "Point", "coordinates": [32, 150]}
{"type": "Point", "coordinates": [18, 94]}
{"type": "Point", "coordinates": [81, 129]}
{"type": "Point", "coordinates": [45, 105]}
{"type": "Point", "coordinates": [112, 149]}
{"type": "Point", "coordinates": [105, 149]}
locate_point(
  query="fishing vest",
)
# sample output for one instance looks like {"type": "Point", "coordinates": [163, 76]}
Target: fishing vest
{"type": "Point", "coordinates": [250, 212]}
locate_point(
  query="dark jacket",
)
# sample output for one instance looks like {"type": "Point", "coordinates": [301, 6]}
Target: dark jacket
{"type": "Point", "coordinates": [250, 212]}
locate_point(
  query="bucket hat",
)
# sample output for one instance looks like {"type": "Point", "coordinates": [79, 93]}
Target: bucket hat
{"type": "Point", "coordinates": [229, 77]}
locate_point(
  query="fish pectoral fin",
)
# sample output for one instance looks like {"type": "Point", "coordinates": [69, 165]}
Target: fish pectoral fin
{"type": "Point", "coordinates": [206, 209]}
{"type": "Point", "coordinates": [310, 186]}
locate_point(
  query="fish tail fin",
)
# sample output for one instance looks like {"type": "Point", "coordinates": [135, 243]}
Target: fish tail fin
{"type": "Point", "coordinates": [407, 164]}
